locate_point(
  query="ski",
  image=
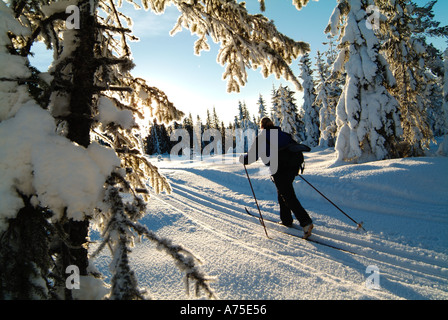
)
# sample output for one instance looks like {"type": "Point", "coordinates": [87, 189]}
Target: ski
{"type": "Point", "coordinates": [297, 236]}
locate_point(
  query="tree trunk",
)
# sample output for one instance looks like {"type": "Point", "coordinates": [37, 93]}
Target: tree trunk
{"type": "Point", "coordinates": [79, 122]}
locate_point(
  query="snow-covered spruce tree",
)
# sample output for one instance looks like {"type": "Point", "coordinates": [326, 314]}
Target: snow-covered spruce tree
{"type": "Point", "coordinates": [443, 147]}
{"type": "Point", "coordinates": [328, 92]}
{"type": "Point", "coordinates": [188, 125]}
{"type": "Point", "coordinates": [275, 107]}
{"type": "Point", "coordinates": [433, 95]}
{"type": "Point", "coordinates": [406, 56]}
{"type": "Point", "coordinates": [197, 137]}
{"type": "Point", "coordinates": [425, 26]}
{"type": "Point", "coordinates": [215, 120]}
{"type": "Point", "coordinates": [242, 122]}
{"type": "Point", "coordinates": [14, 67]}
{"type": "Point", "coordinates": [158, 141]}
{"type": "Point", "coordinates": [226, 137]}
{"type": "Point", "coordinates": [445, 84]}
{"type": "Point", "coordinates": [63, 171]}
{"type": "Point", "coordinates": [25, 259]}
{"type": "Point", "coordinates": [445, 94]}
{"type": "Point", "coordinates": [211, 138]}
{"type": "Point", "coordinates": [153, 140]}
{"type": "Point", "coordinates": [262, 112]}
{"type": "Point", "coordinates": [69, 159]}
{"type": "Point", "coordinates": [286, 111]}
{"type": "Point", "coordinates": [367, 115]}
{"type": "Point", "coordinates": [208, 120]}
{"type": "Point", "coordinates": [309, 107]}
{"type": "Point", "coordinates": [327, 96]}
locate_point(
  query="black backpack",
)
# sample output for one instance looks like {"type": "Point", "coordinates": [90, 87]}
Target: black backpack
{"type": "Point", "coordinates": [291, 156]}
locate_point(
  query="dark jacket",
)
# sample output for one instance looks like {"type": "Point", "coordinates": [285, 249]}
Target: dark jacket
{"type": "Point", "coordinates": [263, 148]}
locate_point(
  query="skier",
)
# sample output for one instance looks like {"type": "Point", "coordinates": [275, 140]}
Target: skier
{"type": "Point", "coordinates": [283, 174]}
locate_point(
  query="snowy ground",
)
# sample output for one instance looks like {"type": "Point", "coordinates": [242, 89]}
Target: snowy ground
{"type": "Point", "coordinates": [403, 204]}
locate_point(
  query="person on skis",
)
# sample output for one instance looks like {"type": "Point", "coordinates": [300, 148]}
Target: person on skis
{"type": "Point", "coordinates": [271, 145]}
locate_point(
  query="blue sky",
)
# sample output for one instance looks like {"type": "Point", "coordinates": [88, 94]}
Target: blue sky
{"type": "Point", "coordinates": [194, 83]}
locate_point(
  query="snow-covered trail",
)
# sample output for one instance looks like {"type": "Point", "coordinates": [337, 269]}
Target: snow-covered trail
{"type": "Point", "coordinates": [206, 214]}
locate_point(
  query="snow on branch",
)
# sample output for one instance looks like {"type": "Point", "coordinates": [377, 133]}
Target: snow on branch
{"type": "Point", "coordinates": [247, 41]}
{"type": "Point", "coordinates": [300, 3]}
{"type": "Point", "coordinates": [164, 109]}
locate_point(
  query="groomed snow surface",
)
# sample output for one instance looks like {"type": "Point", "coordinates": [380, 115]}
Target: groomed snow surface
{"type": "Point", "coordinates": [403, 204]}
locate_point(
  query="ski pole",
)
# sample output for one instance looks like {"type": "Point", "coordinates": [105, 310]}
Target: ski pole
{"type": "Point", "coordinates": [360, 225]}
{"type": "Point", "coordinates": [261, 216]}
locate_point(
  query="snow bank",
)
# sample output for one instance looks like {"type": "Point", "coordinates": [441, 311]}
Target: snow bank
{"type": "Point", "coordinates": [35, 160]}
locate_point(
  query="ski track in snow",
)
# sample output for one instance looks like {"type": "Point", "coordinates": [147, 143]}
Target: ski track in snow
{"type": "Point", "coordinates": [205, 213]}
{"type": "Point", "coordinates": [368, 248]}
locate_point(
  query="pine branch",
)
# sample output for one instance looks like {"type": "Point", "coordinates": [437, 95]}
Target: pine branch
{"type": "Point", "coordinates": [117, 18]}
{"type": "Point", "coordinates": [247, 40]}
{"type": "Point", "coordinates": [120, 29]}
{"type": "Point", "coordinates": [112, 61]}
{"type": "Point", "coordinates": [43, 25]}
{"type": "Point", "coordinates": [112, 88]}
{"type": "Point", "coordinates": [20, 80]}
